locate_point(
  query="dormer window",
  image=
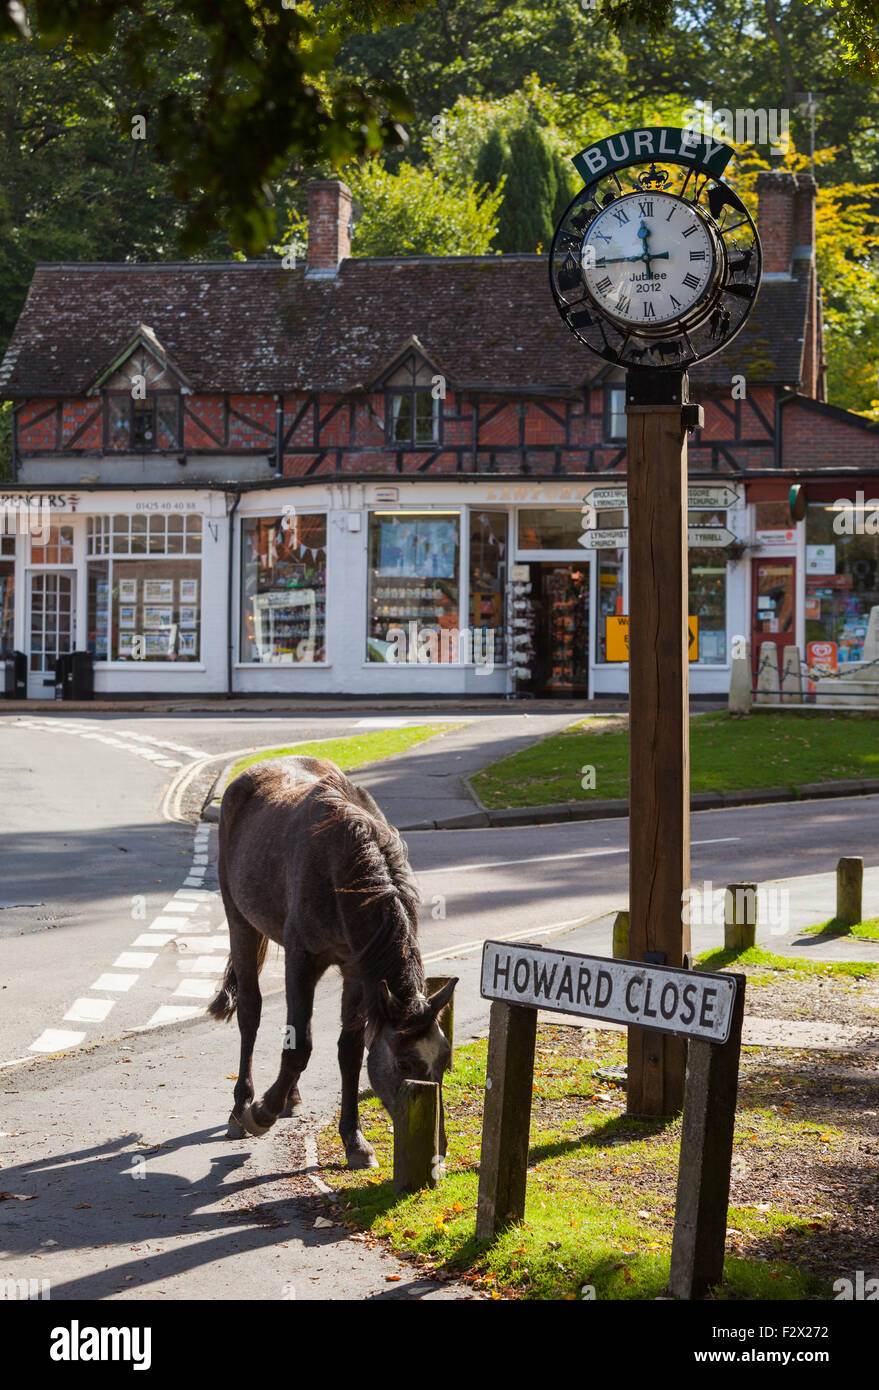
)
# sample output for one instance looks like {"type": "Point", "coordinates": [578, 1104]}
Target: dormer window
{"type": "Point", "coordinates": [143, 425]}
{"type": "Point", "coordinates": [414, 405]}
{"type": "Point", "coordinates": [142, 391]}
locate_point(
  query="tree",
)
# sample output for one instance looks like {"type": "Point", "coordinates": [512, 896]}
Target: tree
{"type": "Point", "coordinates": [264, 95]}
{"type": "Point", "coordinates": [414, 212]}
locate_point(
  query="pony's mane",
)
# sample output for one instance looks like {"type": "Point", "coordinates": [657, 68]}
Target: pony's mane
{"type": "Point", "coordinates": [378, 872]}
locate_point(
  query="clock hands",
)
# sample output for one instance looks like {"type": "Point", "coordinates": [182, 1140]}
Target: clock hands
{"type": "Point", "coordinates": [646, 255]}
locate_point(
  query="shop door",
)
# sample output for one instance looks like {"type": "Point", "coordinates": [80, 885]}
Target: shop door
{"type": "Point", "coordinates": [52, 619]}
{"type": "Point", "coordinates": [772, 607]}
{"type": "Point", "coordinates": [561, 629]}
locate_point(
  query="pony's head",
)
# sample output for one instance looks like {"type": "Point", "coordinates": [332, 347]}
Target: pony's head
{"type": "Point", "coordinates": [407, 1045]}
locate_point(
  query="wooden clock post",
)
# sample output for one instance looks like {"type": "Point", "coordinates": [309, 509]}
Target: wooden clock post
{"type": "Point", "coordinates": [659, 415]}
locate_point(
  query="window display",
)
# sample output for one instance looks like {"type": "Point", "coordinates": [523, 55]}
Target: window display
{"type": "Point", "coordinates": [7, 592]}
{"type": "Point", "coordinates": [283, 588]}
{"type": "Point", "coordinates": [413, 586]}
{"type": "Point", "coordinates": [134, 605]}
{"type": "Point", "coordinates": [488, 570]}
{"type": "Point", "coordinates": [842, 580]}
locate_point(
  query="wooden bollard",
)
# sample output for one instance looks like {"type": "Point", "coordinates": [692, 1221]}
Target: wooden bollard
{"type": "Point", "coordinates": [740, 917]}
{"type": "Point", "coordinates": [446, 1016]}
{"type": "Point", "coordinates": [849, 890]}
{"type": "Point", "coordinates": [417, 1161]}
{"type": "Point", "coordinates": [509, 1077]}
{"type": "Point", "coordinates": [621, 936]}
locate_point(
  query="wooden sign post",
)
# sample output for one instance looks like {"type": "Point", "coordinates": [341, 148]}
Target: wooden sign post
{"type": "Point", "coordinates": [659, 415]}
{"type": "Point", "coordinates": [704, 1009]}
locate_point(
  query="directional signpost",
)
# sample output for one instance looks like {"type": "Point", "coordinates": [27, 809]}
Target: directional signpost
{"type": "Point", "coordinates": [703, 498]}
{"type": "Point", "coordinates": [701, 1011]}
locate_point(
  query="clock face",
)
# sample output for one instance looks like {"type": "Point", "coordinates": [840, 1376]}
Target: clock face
{"type": "Point", "coordinates": [648, 259]}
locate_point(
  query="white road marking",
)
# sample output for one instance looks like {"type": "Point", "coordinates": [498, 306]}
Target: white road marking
{"type": "Point", "coordinates": [88, 1010]}
{"type": "Point", "coordinates": [115, 982]}
{"type": "Point", "coordinates": [196, 989]}
{"type": "Point", "coordinates": [169, 924]}
{"type": "Point", "coordinates": [169, 1013]}
{"type": "Point", "coordinates": [160, 939]}
{"type": "Point", "coordinates": [134, 960]}
{"type": "Point", "coordinates": [202, 965]}
{"type": "Point", "coordinates": [468, 947]}
{"type": "Point", "coordinates": [549, 858]}
{"type": "Point", "coordinates": [55, 1040]}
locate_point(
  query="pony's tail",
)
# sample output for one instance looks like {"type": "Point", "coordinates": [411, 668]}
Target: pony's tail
{"type": "Point", "coordinates": [223, 1006]}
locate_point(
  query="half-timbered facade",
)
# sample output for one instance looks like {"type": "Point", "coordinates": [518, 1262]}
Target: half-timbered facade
{"type": "Point", "coordinates": [352, 474]}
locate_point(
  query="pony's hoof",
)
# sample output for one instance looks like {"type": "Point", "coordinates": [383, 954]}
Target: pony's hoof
{"type": "Point", "coordinates": [251, 1125]}
{"type": "Point", "coordinates": [362, 1158]}
{"type": "Point", "coordinates": [291, 1110]}
{"type": "Point", "coordinates": [234, 1128]}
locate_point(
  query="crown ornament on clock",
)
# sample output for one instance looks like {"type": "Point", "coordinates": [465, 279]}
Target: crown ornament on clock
{"type": "Point", "coordinates": [656, 262]}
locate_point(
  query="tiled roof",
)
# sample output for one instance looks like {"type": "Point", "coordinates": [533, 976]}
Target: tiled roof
{"type": "Point", "coordinates": [487, 322]}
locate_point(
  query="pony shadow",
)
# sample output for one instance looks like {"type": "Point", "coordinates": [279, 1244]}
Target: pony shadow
{"type": "Point", "coordinates": [88, 1199]}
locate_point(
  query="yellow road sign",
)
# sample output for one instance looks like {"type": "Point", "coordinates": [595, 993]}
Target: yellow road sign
{"type": "Point", "coordinates": [616, 638]}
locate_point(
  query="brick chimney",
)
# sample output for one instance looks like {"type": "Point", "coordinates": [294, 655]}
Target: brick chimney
{"type": "Point", "coordinates": [329, 237]}
{"type": "Point", "coordinates": [776, 195]}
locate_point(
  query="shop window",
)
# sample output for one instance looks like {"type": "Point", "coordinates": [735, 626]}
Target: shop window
{"type": "Point", "coordinates": [7, 592]}
{"type": "Point", "coordinates": [413, 587]}
{"type": "Point", "coordinates": [54, 549]}
{"type": "Point", "coordinates": [615, 414]}
{"type": "Point", "coordinates": [610, 569]}
{"type": "Point", "coordinates": [707, 602]}
{"type": "Point", "coordinates": [283, 589]}
{"type": "Point", "coordinates": [144, 599]}
{"type": "Point", "coordinates": [550, 529]}
{"type": "Point", "coordinates": [842, 577]}
{"type": "Point", "coordinates": [488, 571]}
{"type": "Point", "coordinates": [146, 425]}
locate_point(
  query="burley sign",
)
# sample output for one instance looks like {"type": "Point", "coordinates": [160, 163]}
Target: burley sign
{"type": "Point", "coordinates": [651, 996]}
{"type": "Point", "coordinates": [656, 142]}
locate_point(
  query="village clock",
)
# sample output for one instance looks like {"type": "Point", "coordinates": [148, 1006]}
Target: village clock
{"type": "Point", "coordinates": [656, 262]}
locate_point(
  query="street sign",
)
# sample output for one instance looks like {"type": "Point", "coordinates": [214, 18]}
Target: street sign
{"type": "Point", "coordinates": [712, 496]}
{"type": "Point", "coordinates": [709, 537]}
{"type": "Point", "coordinates": [687, 1002]}
{"type": "Point", "coordinates": [614, 538]}
{"type": "Point", "coordinates": [607, 497]}
{"type": "Point", "coordinates": [697, 497]}
{"type": "Point", "coordinates": [616, 637]}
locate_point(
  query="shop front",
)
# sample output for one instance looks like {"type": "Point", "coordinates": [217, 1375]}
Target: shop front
{"type": "Point", "coordinates": [135, 579]}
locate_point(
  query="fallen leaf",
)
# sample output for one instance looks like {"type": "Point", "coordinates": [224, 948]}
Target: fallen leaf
{"type": "Point", "coordinates": [321, 1222]}
{"type": "Point", "coordinates": [393, 1278]}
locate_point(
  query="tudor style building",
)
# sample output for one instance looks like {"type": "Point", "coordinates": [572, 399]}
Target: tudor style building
{"type": "Point", "coordinates": [344, 476]}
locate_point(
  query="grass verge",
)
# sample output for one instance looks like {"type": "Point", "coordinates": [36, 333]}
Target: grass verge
{"type": "Point", "coordinates": [792, 965]}
{"type": "Point", "coordinates": [355, 751]}
{"type": "Point", "coordinates": [861, 931]}
{"type": "Point", "coordinates": [726, 754]}
{"type": "Point", "coordinates": [601, 1185]}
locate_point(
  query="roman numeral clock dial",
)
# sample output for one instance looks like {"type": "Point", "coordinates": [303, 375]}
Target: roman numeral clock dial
{"type": "Point", "coordinates": [655, 263]}
{"type": "Point", "coordinates": [648, 262]}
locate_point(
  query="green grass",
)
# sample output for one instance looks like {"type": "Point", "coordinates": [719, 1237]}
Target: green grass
{"type": "Point", "coordinates": [726, 754]}
{"type": "Point", "coordinates": [867, 930]}
{"type": "Point", "coordinates": [600, 1194]}
{"type": "Point", "coordinates": [767, 960]}
{"type": "Point", "coordinates": [352, 752]}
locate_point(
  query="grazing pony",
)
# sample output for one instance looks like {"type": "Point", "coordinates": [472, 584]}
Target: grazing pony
{"type": "Point", "coordinates": [308, 860]}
